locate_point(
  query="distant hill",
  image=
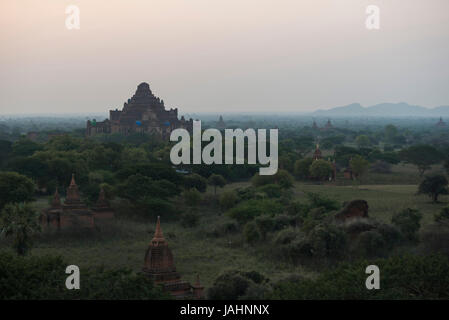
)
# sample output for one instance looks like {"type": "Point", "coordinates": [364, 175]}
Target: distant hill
{"type": "Point", "coordinates": [383, 110]}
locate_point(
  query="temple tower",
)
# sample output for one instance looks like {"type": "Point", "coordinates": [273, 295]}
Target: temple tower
{"type": "Point", "coordinates": [328, 125]}
{"type": "Point", "coordinates": [221, 124]}
{"type": "Point", "coordinates": [73, 199]}
{"type": "Point", "coordinates": [317, 153]}
{"type": "Point", "coordinates": [159, 266]}
{"type": "Point", "coordinates": [142, 113]}
{"type": "Point", "coordinates": [102, 209]}
{"type": "Point", "coordinates": [51, 217]}
{"type": "Point", "coordinates": [56, 201]}
{"type": "Point", "coordinates": [74, 212]}
{"type": "Point", "coordinates": [440, 123]}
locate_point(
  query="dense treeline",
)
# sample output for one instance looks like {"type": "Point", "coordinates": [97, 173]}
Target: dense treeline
{"type": "Point", "coordinates": [402, 277]}
{"type": "Point", "coordinates": [44, 278]}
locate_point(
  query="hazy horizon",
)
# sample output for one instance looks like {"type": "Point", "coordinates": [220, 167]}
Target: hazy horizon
{"type": "Point", "coordinates": [310, 113]}
{"type": "Point", "coordinates": [227, 56]}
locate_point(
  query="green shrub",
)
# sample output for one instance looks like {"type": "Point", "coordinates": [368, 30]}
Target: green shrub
{"type": "Point", "coordinates": [224, 229]}
{"type": "Point", "coordinates": [271, 190]}
{"type": "Point", "coordinates": [189, 219]}
{"type": "Point", "coordinates": [282, 221]}
{"type": "Point", "coordinates": [299, 249]}
{"type": "Point", "coordinates": [15, 188]}
{"type": "Point", "coordinates": [390, 233]}
{"type": "Point", "coordinates": [139, 186]}
{"type": "Point", "coordinates": [297, 208]}
{"type": "Point", "coordinates": [209, 200]}
{"type": "Point", "coordinates": [246, 193]}
{"type": "Point", "coordinates": [150, 207]}
{"type": "Point", "coordinates": [403, 277]}
{"type": "Point", "coordinates": [281, 178]}
{"type": "Point", "coordinates": [233, 285]}
{"type": "Point", "coordinates": [371, 238]}
{"type": "Point", "coordinates": [248, 210]}
{"type": "Point", "coordinates": [228, 199]}
{"type": "Point", "coordinates": [192, 197]}
{"type": "Point", "coordinates": [284, 179]}
{"type": "Point", "coordinates": [314, 217]}
{"type": "Point", "coordinates": [20, 222]}
{"type": "Point", "coordinates": [380, 167]}
{"type": "Point", "coordinates": [388, 147]}
{"type": "Point", "coordinates": [264, 224]}
{"type": "Point", "coordinates": [302, 168]}
{"type": "Point", "coordinates": [370, 244]}
{"type": "Point", "coordinates": [358, 225]}
{"type": "Point", "coordinates": [251, 232]}
{"type": "Point", "coordinates": [195, 181]}
{"type": "Point", "coordinates": [320, 201]}
{"type": "Point", "coordinates": [324, 241]}
{"type": "Point", "coordinates": [435, 239]}
{"type": "Point", "coordinates": [327, 241]}
{"type": "Point", "coordinates": [285, 236]}
{"type": "Point", "coordinates": [321, 169]}
{"type": "Point", "coordinates": [442, 216]}
{"type": "Point", "coordinates": [408, 222]}
{"type": "Point", "coordinates": [255, 292]}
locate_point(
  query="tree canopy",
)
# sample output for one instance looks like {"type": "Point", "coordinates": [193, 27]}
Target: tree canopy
{"type": "Point", "coordinates": [422, 156]}
{"type": "Point", "coordinates": [15, 188]}
{"type": "Point", "coordinates": [434, 186]}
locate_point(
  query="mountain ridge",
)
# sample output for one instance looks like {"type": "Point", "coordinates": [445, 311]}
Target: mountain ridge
{"type": "Point", "coordinates": [386, 109]}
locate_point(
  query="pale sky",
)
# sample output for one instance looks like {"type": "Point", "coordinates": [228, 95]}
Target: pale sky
{"type": "Point", "coordinates": [222, 55]}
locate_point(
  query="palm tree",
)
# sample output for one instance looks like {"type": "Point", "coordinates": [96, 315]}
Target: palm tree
{"type": "Point", "coordinates": [19, 221]}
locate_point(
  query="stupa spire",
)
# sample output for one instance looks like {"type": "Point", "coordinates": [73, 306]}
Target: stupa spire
{"type": "Point", "coordinates": [56, 202]}
{"type": "Point", "coordinates": [158, 235]}
{"type": "Point", "coordinates": [72, 182]}
{"type": "Point", "coordinates": [102, 203]}
{"type": "Point", "coordinates": [73, 195]}
{"type": "Point", "coordinates": [317, 153]}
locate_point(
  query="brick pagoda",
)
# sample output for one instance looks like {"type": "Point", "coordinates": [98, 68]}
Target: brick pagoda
{"type": "Point", "coordinates": [160, 267]}
{"type": "Point", "coordinates": [73, 212]}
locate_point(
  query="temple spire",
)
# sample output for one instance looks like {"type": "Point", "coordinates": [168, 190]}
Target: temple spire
{"type": "Point", "coordinates": [317, 153]}
{"type": "Point", "coordinates": [102, 203]}
{"type": "Point", "coordinates": [56, 202]}
{"type": "Point", "coordinates": [72, 182]}
{"type": "Point", "coordinates": [72, 193]}
{"type": "Point", "coordinates": [158, 235]}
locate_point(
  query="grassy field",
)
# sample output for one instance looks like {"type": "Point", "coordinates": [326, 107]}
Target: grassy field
{"type": "Point", "coordinates": [401, 174]}
{"type": "Point", "coordinates": [123, 242]}
{"type": "Point", "coordinates": [383, 200]}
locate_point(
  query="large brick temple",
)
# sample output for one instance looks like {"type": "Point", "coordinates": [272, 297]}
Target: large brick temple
{"type": "Point", "coordinates": [160, 267]}
{"type": "Point", "coordinates": [144, 113]}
